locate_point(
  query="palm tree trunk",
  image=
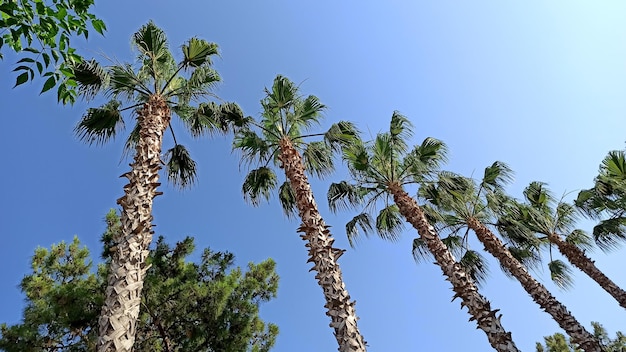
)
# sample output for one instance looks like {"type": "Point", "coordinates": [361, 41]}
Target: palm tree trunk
{"type": "Point", "coordinates": [578, 258]}
{"type": "Point", "coordinates": [118, 318]}
{"type": "Point", "coordinates": [536, 290]}
{"type": "Point", "coordinates": [477, 305]}
{"type": "Point", "coordinates": [322, 253]}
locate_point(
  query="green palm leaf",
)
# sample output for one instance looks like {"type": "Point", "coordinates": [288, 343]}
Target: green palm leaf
{"type": "Point", "coordinates": [362, 221]}
{"type": "Point", "coordinates": [318, 159]}
{"type": "Point", "coordinates": [181, 168]}
{"type": "Point", "coordinates": [99, 125]}
{"type": "Point", "coordinates": [287, 199]}
{"type": "Point", "coordinates": [389, 224]}
{"type": "Point", "coordinates": [344, 195]}
{"type": "Point", "coordinates": [91, 78]}
{"type": "Point", "coordinates": [340, 135]}
{"type": "Point", "coordinates": [476, 266]}
{"type": "Point", "coordinates": [258, 184]}
{"type": "Point", "coordinates": [252, 146]}
{"type": "Point", "coordinates": [151, 42]}
{"type": "Point", "coordinates": [561, 274]}
{"type": "Point", "coordinates": [198, 52]}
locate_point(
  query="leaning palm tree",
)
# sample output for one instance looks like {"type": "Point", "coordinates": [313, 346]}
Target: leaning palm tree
{"type": "Point", "coordinates": [460, 205]}
{"type": "Point", "coordinates": [381, 169]}
{"type": "Point", "coordinates": [155, 88]}
{"type": "Point", "coordinates": [278, 139]}
{"type": "Point", "coordinates": [553, 221]}
{"type": "Point", "coordinates": [606, 202]}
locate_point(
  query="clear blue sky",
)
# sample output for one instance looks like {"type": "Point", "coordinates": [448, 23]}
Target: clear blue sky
{"type": "Point", "coordinates": [539, 85]}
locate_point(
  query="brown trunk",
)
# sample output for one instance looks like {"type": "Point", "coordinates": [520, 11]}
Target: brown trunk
{"type": "Point", "coordinates": [537, 291]}
{"type": "Point", "coordinates": [477, 305]}
{"type": "Point", "coordinates": [118, 318]}
{"type": "Point", "coordinates": [322, 254]}
{"type": "Point", "coordinates": [578, 258]}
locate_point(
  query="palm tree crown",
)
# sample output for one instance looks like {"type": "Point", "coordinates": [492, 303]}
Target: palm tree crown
{"type": "Point", "coordinates": [156, 75]}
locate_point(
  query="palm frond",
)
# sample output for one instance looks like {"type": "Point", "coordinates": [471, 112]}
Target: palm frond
{"type": "Point", "coordinates": [363, 221]}
{"type": "Point", "coordinates": [400, 130]}
{"type": "Point", "coordinates": [609, 234]}
{"type": "Point", "coordinates": [357, 157]}
{"type": "Point", "coordinates": [475, 266]}
{"type": "Point", "coordinates": [203, 120]}
{"type": "Point", "coordinates": [234, 116]}
{"type": "Point", "coordinates": [420, 251]}
{"type": "Point", "coordinates": [614, 165]}
{"type": "Point", "coordinates": [258, 184]}
{"type": "Point", "coordinates": [344, 195]}
{"type": "Point", "coordinates": [341, 134]}
{"type": "Point", "coordinates": [90, 77]}
{"type": "Point", "coordinates": [151, 41]}
{"type": "Point", "coordinates": [566, 216]}
{"type": "Point", "coordinates": [307, 113]}
{"type": "Point", "coordinates": [287, 199]}
{"type": "Point", "coordinates": [537, 194]}
{"type": "Point", "coordinates": [125, 82]}
{"type": "Point", "coordinates": [181, 168]}
{"type": "Point", "coordinates": [99, 125]}
{"type": "Point", "coordinates": [282, 95]}
{"type": "Point", "coordinates": [202, 80]}
{"type": "Point", "coordinates": [198, 52]}
{"type": "Point", "coordinates": [425, 159]}
{"type": "Point", "coordinates": [318, 159]}
{"type": "Point", "coordinates": [561, 274]}
{"type": "Point", "coordinates": [389, 224]}
{"type": "Point", "coordinates": [455, 244]}
{"type": "Point", "coordinates": [251, 145]}
{"type": "Point", "coordinates": [580, 239]}
{"type": "Point", "coordinates": [497, 175]}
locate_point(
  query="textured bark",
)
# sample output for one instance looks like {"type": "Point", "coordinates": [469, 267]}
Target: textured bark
{"type": "Point", "coordinates": [118, 318]}
{"type": "Point", "coordinates": [536, 290]}
{"type": "Point", "coordinates": [322, 254]}
{"type": "Point", "coordinates": [477, 305]}
{"type": "Point", "coordinates": [578, 258]}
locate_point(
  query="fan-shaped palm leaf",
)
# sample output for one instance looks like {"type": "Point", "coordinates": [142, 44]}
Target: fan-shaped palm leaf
{"type": "Point", "coordinates": [259, 183]}
{"type": "Point", "coordinates": [318, 159]}
{"type": "Point", "coordinates": [198, 52]}
{"type": "Point", "coordinates": [181, 169]}
{"type": "Point", "coordinates": [99, 125]}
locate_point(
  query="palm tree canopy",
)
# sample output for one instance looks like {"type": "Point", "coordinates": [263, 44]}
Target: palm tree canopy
{"type": "Point", "coordinates": [375, 165]}
{"type": "Point", "coordinates": [182, 85]}
{"type": "Point", "coordinates": [606, 201]}
{"type": "Point", "coordinates": [287, 116]}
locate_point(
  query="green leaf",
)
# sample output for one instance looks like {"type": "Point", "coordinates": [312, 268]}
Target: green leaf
{"type": "Point", "coordinates": [50, 82]}
{"type": "Point", "coordinates": [98, 25]}
{"type": "Point", "coordinates": [258, 184]}
{"type": "Point", "coordinates": [181, 168]}
{"type": "Point", "coordinates": [21, 79]}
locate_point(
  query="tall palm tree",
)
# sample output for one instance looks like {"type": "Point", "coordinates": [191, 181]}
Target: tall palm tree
{"type": "Point", "coordinates": [553, 221]}
{"type": "Point", "coordinates": [381, 169]}
{"type": "Point", "coordinates": [154, 88]}
{"type": "Point", "coordinates": [280, 141]}
{"type": "Point", "coordinates": [461, 205]}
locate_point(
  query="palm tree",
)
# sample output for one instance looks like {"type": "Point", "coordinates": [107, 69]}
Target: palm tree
{"type": "Point", "coordinates": [606, 202]}
{"type": "Point", "coordinates": [155, 88]}
{"type": "Point", "coordinates": [553, 221]}
{"type": "Point", "coordinates": [280, 141]}
{"type": "Point", "coordinates": [460, 204]}
{"type": "Point", "coordinates": [381, 169]}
